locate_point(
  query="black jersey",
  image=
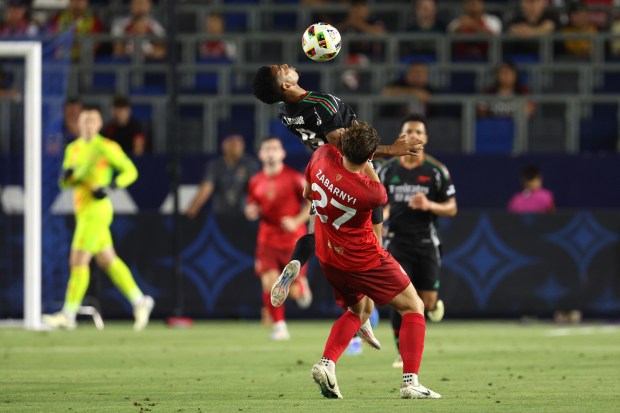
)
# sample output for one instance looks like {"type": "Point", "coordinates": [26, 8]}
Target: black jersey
{"type": "Point", "coordinates": [315, 116]}
{"type": "Point", "coordinates": [431, 178]}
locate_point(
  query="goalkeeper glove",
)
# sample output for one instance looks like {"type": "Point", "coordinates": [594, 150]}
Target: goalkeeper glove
{"type": "Point", "coordinates": [104, 191]}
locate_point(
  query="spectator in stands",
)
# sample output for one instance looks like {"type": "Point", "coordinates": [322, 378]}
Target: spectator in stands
{"type": "Point", "coordinates": [358, 20]}
{"type": "Point", "coordinates": [226, 179]}
{"type": "Point", "coordinates": [506, 86]}
{"type": "Point", "coordinates": [474, 20]}
{"type": "Point", "coordinates": [83, 21]}
{"type": "Point", "coordinates": [415, 83]}
{"type": "Point", "coordinates": [217, 48]}
{"type": "Point", "coordinates": [7, 90]}
{"type": "Point", "coordinates": [17, 22]}
{"type": "Point", "coordinates": [139, 23]}
{"type": "Point", "coordinates": [533, 198]}
{"type": "Point", "coordinates": [69, 129]}
{"type": "Point", "coordinates": [533, 20]}
{"type": "Point", "coordinates": [578, 22]}
{"type": "Point", "coordinates": [124, 129]}
{"type": "Point", "coordinates": [425, 22]}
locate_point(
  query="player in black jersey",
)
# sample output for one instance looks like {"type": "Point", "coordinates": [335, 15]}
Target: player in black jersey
{"type": "Point", "coordinates": [317, 119]}
{"type": "Point", "coordinates": [419, 190]}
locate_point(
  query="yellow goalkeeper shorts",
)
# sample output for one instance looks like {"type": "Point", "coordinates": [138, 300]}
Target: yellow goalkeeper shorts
{"type": "Point", "coordinates": [91, 236]}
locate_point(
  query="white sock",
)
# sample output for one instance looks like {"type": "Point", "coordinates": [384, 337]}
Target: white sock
{"type": "Point", "coordinates": [279, 326]}
{"type": "Point", "coordinates": [137, 301]}
{"type": "Point", "coordinates": [410, 378]}
{"type": "Point", "coordinates": [329, 365]}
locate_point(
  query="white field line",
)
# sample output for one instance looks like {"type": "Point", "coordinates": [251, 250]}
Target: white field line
{"type": "Point", "coordinates": [572, 331]}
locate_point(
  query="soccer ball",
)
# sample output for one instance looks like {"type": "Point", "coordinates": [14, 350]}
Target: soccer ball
{"type": "Point", "coordinates": [321, 42]}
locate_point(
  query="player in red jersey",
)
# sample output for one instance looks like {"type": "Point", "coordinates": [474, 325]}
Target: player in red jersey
{"type": "Point", "coordinates": [357, 267]}
{"type": "Point", "coordinates": [275, 194]}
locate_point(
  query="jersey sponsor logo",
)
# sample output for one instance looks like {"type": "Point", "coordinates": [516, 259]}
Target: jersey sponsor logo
{"type": "Point", "coordinates": [297, 120]}
{"type": "Point", "coordinates": [423, 179]}
{"type": "Point", "coordinates": [402, 193]}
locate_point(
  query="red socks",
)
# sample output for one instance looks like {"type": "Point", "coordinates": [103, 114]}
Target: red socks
{"type": "Point", "coordinates": [276, 313]}
{"type": "Point", "coordinates": [342, 332]}
{"type": "Point", "coordinates": [411, 343]}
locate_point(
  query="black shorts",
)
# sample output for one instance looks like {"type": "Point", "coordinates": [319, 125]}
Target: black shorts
{"type": "Point", "coordinates": [422, 263]}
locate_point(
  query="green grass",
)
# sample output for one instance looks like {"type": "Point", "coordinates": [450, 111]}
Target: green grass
{"type": "Point", "coordinates": [232, 367]}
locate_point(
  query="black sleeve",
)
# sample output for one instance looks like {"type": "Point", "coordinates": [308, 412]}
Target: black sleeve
{"type": "Point", "coordinates": [377, 215]}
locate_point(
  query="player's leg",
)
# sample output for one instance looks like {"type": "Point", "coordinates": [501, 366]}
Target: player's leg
{"type": "Point", "coordinates": [427, 281]}
{"type": "Point", "coordinates": [406, 257]}
{"type": "Point", "coordinates": [84, 242]}
{"type": "Point", "coordinates": [324, 372]}
{"type": "Point", "coordinates": [412, 333]}
{"type": "Point", "coordinates": [121, 276]}
{"type": "Point", "coordinates": [303, 251]}
{"type": "Point", "coordinates": [280, 330]}
{"type": "Point", "coordinates": [300, 289]}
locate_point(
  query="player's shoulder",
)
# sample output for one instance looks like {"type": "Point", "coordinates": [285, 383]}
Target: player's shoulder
{"type": "Point", "coordinates": [434, 163]}
{"type": "Point", "coordinates": [325, 100]}
{"type": "Point", "coordinates": [387, 167]}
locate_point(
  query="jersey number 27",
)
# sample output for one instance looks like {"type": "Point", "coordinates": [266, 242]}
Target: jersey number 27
{"type": "Point", "coordinates": [348, 212]}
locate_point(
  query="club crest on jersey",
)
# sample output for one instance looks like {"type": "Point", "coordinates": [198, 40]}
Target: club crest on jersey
{"type": "Point", "coordinates": [423, 179]}
{"type": "Point", "coordinates": [338, 177]}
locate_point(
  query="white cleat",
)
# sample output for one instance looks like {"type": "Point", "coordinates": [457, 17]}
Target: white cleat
{"type": "Point", "coordinates": [59, 320]}
{"type": "Point", "coordinates": [279, 291]}
{"type": "Point", "coordinates": [326, 381]}
{"type": "Point", "coordinates": [366, 334]}
{"type": "Point", "coordinates": [142, 312]}
{"type": "Point", "coordinates": [437, 314]}
{"type": "Point", "coordinates": [305, 298]}
{"type": "Point", "coordinates": [410, 391]}
{"type": "Point", "coordinates": [398, 362]}
{"type": "Point", "coordinates": [280, 332]}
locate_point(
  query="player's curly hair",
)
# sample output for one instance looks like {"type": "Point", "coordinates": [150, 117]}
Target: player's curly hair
{"type": "Point", "coordinates": [265, 87]}
{"type": "Point", "coordinates": [359, 142]}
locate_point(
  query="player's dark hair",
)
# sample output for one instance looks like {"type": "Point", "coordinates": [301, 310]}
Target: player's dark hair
{"type": "Point", "coordinates": [269, 138]}
{"type": "Point", "coordinates": [530, 172]}
{"type": "Point", "coordinates": [72, 101]}
{"type": "Point", "coordinates": [414, 117]}
{"type": "Point", "coordinates": [265, 87]}
{"type": "Point", "coordinates": [88, 108]}
{"type": "Point", "coordinates": [120, 101]}
{"type": "Point", "coordinates": [359, 142]}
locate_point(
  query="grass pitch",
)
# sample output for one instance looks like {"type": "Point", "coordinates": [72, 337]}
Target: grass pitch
{"type": "Point", "coordinates": [233, 367]}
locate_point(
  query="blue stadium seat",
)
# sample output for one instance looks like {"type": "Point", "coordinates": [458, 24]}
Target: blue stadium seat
{"type": "Point", "coordinates": [494, 135]}
{"type": "Point", "coordinates": [611, 83]}
{"type": "Point", "coordinates": [463, 82]}
{"type": "Point", "coordinates": [598, 135]}
{"type": "Point", "coordinates": [142, 112]}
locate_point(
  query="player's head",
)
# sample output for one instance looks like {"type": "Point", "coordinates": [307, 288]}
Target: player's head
{"type": "Point", "coordinates": [73, 107]}
{"type": "Point", "coordinates": [89, 122]}
{"type": "Point", "coordinates": [414, 126]}
{"type": "Point", "coordinates": [359, 142]}
{"type": "Point", "coordinates": [121, 109]}
{"type": "Point", "coordinates": [531, 176]}
{"type": "Point", "coordinates": [271, 152]}
{"type": "Point", "coordinates": [271, 82]}
{"type": "Point", "coordinates": [233, 147]}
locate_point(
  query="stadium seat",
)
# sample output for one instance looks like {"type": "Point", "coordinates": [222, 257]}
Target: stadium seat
{"type": "Point", "coordinates": [564, 82]}
{"type": "Point", "coordinates": [494, 135]}
{"type": "Point", "coordinates": [546, 134]}
{"type": "Point", "coordinates": [444, 134]}
{"type": "Point", "coordinates": [462, 82]}
{"type": "Point", "coordinates": [598, 135]}
{"type": "Point", "coordinates": [611, 83]}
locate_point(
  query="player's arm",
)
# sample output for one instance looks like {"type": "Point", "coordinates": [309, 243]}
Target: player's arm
{"type": "Point", "coordinates": [386, 212]}
{"type": "Point", "coordinates": [403, 145]}
{"type": "Point", "coordinates": [127, 172]}
{"type": "Point", "coordinates": [446, 208]}
{"type": "Point", "coordinates": [202, 196]}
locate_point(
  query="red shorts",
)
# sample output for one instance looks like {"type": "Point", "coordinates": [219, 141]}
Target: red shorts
{"type": "Point", "coordinates": [268, 259]}
{"type": "Point", "coordinates": [381, 283]}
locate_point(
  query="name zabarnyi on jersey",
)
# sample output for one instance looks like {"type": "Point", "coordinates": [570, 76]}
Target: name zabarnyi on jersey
{"type": "Point", "coordinates": [337, 192]}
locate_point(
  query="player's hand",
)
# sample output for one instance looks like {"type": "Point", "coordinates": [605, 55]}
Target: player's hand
{"type": "Point", "coordinates": [289, 224]}
{"type": "Point", "coordinates": [102, 192]}
{"type": "Point", "coordinates": [406, 145]}
{"type": "Point", "coordinates": [420, 201]}
{"type": "Point", "coordinates": [252, 212]}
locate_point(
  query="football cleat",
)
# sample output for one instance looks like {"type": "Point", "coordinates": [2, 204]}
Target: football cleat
{"type": "Point", "coordinates": [59, 320]}
{"type": "Point", "coordinates": [398, 362]}
{"type": "Point", "coordinates": [142, 312]}
{"type": "Point", "coordinates": [326, 381]}
{"type": "Point", "coordinates": [280, 288]}
{"type": "Point", "coordinates": [436, 315]}
{"type": "Point", "coordinates": [280, 332]}
{"type": "Point", "coordinates": [410, 391]}
{"type": "Point", "coordinates": [366, 334]}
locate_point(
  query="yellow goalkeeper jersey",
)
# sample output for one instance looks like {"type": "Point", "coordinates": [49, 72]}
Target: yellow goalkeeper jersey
{"type": "Point", "coordinates": [94, 163]}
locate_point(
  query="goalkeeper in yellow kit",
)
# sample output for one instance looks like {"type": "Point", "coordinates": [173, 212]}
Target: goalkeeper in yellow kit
{"type": "Point", "coordinates": [88, 167]}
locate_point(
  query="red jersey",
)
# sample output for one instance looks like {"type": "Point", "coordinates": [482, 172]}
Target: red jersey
{"type": "Point", "coordinates": [344, 202]}
{"type": "Point", "coordinates": [277, 196]}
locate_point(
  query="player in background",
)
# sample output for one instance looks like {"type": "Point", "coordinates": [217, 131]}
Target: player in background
{"type": "Point", "coordinates": [275, 195]}
{"type": "Point", "coordinates": [89, 165]}
{"type": "Point", "coordinates": [359, 270]}
{"type": "Point", "coordinates": [419, 190]}
{"type": "Point", "coordinates": [317, 119]}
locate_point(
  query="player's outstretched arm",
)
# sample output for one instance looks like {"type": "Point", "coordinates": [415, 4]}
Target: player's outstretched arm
{"type": "Point", "coordinates": [403, 145]}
